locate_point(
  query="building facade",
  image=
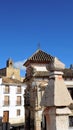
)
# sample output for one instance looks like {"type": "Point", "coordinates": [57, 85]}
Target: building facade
{"type": "Point", "coordinates": [37, 76]}
{"type": "Point", "coordinates": [12, 95]}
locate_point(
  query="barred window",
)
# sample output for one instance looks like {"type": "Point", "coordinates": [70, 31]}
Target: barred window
{"type": "Point", "coordinates": [18, 89]}
{"type": "Point", "coordinates": [18, 102]}
{"type": "Point", "coordinates": [18, 112]}
{"type": "Point", "coordinates": [7, 89]}
{"type": "Point", "coordinates": [6, 100]}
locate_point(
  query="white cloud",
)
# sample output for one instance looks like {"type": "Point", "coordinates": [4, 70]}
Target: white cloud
{"type": "Point", "coordinates": [19, 65]}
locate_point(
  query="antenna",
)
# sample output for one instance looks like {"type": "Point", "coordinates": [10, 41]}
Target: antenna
{"type": "Point", "coordinates": [39, 45]}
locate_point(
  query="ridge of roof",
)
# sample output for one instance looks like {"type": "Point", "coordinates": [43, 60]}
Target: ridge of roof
{"type": "Point", "coordinates": [10, 80]}
{"type": "Point", "coordinates": [40, 57]}
{"type": "Point", "coordinates": [39, 51]}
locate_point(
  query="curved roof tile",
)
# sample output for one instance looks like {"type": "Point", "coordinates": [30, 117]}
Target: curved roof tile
{"type": "Point", "coordinates": [40, 57]}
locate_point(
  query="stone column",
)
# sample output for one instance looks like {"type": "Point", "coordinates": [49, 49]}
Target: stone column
{"type": "Point", "coordinates": [56, 98]}
{"type": "Point", "coordinates": [57, 118]}
{"type": "Point", "coordinates": [38, 120]}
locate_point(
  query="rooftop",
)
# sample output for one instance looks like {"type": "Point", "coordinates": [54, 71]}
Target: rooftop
{"type": "Point", "coordinates": [39, 57]}
{"type": "Point", "coordinates": [7, 80]}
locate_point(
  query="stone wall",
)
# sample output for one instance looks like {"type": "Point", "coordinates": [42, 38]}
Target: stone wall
{"type": "Point", "coordinates": [13, 72]}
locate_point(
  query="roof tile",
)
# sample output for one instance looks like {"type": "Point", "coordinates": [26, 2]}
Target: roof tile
{"type": "Point", "coordinates": [40, 57]}
{"type": "Point", "coordinates": [10, 81]}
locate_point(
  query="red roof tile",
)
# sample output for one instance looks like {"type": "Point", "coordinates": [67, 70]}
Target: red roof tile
{"type": "Point", "coordinates": [40, 57]}
{"type": "Point", "coordinates": [7, 80]}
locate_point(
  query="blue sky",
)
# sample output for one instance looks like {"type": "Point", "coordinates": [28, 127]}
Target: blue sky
{"type": "Point", "coordinates": [25, 23]}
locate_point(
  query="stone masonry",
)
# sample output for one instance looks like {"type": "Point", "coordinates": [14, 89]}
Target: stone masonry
{"type": "Point", "coordinates": [56, 99]}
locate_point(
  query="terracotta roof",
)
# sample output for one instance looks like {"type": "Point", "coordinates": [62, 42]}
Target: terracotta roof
{"type": "Point", "coordinates": [40, 57]}
{"type": "Point", "coordinates": [68, 72]}
{"type": "Point", "coordinates": [41, 73]}
{"type": "Point", "coordinates": [7, 80]}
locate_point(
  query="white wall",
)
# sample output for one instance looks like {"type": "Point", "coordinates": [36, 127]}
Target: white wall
{"type": "Point", "coordinates": [39, 67]}
{"type": "Point", "coordinates": [12, 108]}
{"type": "Point", "coordinates": [71, 128]}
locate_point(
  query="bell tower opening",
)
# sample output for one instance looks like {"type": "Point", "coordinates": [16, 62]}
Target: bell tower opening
{"type": "Point", "coordinates": [9, 63]}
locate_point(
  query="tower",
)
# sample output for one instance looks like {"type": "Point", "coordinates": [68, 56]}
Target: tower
{"type": "Point", "coordinates": [9, 63]}
{"type": "Point", "coordinates": [36, 79]}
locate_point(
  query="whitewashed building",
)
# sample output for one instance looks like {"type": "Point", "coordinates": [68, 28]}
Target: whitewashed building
{"type": "Point", "coordinates": [12, 100]}
{"type": "Point", "coordinates": [12, 95]}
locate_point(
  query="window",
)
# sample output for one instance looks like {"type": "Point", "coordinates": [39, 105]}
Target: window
{"type": "Point", "coordinates": [6, 100]}
{"type": "Point", "coordinates": [18, 89]}
{"type": "Point", "coordinates": [18, 102]}
{"type": "Point", "coordinates": [71, 92]}
{"type": "Point", "coordinates": [18, 112]}
{"type": "Point", "coordinates": [7, 89]}
{"type": "Point", "coordinates": [71, 121]}
{"type": "Point", "coordinates": [5, 116]}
